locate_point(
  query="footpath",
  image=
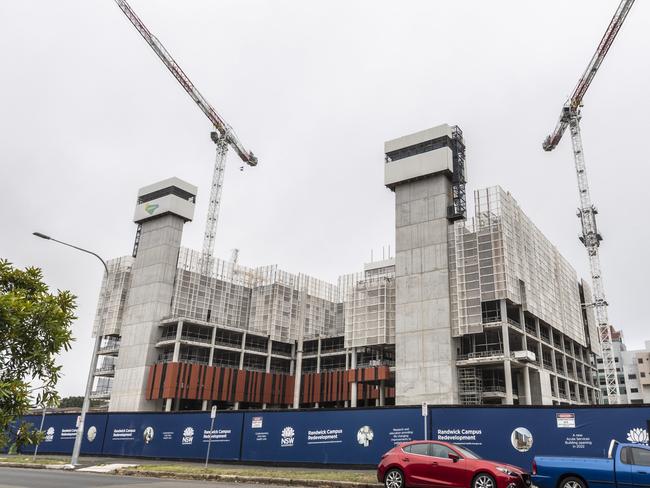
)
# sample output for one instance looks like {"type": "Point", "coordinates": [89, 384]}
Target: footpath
{"type": "Point", "coordinates": [287, 476]}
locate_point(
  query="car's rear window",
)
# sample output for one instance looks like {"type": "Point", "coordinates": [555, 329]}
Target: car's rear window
{"type": "Point", "coordinates": [422, 449]}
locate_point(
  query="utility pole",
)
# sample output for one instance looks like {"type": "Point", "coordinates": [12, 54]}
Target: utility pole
{"type": "Point", "coordinates": [93, 361]}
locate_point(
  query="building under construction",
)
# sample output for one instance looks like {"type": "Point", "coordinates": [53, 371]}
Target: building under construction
{"type": "Point", "coordinates": [472, 311]}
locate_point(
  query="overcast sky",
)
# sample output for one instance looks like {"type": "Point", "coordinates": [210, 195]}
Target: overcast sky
{"type": "Point", "coordinates": [88, 114]}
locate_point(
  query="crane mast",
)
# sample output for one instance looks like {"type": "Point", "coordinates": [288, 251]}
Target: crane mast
{"type": "Point", "coordinates": [570, 117]}
{"type": "Point", "coordinates": [223, 135]}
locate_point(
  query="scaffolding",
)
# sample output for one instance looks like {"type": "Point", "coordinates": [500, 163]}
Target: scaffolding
{"type": "Point", "coordinates": [501, 254]}
{"type": "Point", "coordinates": [220, 295]}
{"type": "Point", "coordinates": [370, 312]}
{"type": "Point", "coordinates": [112, 297]}
{"type": "Point", "coordinates": [470, 386]}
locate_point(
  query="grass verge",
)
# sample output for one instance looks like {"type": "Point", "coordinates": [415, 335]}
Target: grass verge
{"type": "Point", "coordinates": [294, 474]}
{"type": "Point", "coordinates": [19, 459]}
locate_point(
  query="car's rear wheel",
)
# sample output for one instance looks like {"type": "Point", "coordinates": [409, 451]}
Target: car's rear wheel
{"type": "Point", "coordinates": [394, 479]}
{"type": "Point", "coordinates": [572, 482]}
{"type": "Point", "coordinates": [483, 480]}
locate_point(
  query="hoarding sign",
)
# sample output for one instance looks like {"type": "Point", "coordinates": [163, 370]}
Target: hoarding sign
{"type": "Point", "coordinates": [342, 436]}
{"type": "Point", "coordinates": [181, 435]}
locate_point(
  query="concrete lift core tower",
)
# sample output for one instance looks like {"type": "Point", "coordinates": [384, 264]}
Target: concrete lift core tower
{"type": "Point", "coordinates": [426, 170]}
{"type": "Point", "coordinates": [162, 210]}
{"type": "Point", "coordinates": [570, 117]}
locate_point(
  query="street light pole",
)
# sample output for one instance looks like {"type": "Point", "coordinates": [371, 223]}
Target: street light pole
{"type": "Point", "coordinates": [93, 362]}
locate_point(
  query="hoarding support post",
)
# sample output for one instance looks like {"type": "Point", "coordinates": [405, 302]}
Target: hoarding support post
{"type": "Point", "coordinates": [213, 414]}
{"type": "Point", "coordinates": [425, 413]}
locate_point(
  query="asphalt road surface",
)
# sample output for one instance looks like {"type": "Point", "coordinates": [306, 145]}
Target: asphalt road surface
{"type": "Point", "coordinates": [49, 478]}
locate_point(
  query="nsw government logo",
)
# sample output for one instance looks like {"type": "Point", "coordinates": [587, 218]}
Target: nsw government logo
{"type": "Point", "coordinates": [188, 436]}
{"type": "Point", "coordinates": [638, 435]}
{"type": "Point", "coordinates": [49, 435]}
{"type": "Point", "coordinates": [365, 435]}
{"type": "Point", "coordinates": [288, 436]}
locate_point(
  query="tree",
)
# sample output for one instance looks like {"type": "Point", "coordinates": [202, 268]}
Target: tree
{"type": "Point", "coordinates": [35, 326]}
{"type": "Point", "coordinates": [77, 402]}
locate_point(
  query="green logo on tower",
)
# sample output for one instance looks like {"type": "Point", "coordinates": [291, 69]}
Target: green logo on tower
{"type": "Point", "coordinates": [151, 208]}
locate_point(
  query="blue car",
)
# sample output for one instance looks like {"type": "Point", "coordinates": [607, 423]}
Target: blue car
{"type": "Point", "coordinates": [626, 466]}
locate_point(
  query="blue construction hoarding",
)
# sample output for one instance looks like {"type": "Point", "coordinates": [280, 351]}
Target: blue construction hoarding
{"type": "Point", "coordinates": [516, 435]}
{"type": "Point", "coordinates": [179, 436]}
{"type": "Point", "coordinates": [348, 436]}
{"type": "Point", "coordinates": [60, 432]}
{"type": "Point", "coordinates": [328, 436]}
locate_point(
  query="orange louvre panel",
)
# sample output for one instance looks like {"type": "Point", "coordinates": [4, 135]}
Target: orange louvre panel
{"type": "Point", "coordinates": [193, 382]}
{"type": "Point", "coordinates": [170, 380]}
{"type": "Point", "coordinates": [208, 385]}
{"type": "Point", "coordinates": [150, 381]}
{"type": "Point", "coordinates": [267, 387]}
{"type": "Point", "coordinates": [289, 386]}
{"type": "Point", "coordinates": [201, 382]}
{"type": "Point", "coordinates": [239, 377]}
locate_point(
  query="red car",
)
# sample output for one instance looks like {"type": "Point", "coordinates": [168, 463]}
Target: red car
{"type": "Point", "coordinates": [444, 465]}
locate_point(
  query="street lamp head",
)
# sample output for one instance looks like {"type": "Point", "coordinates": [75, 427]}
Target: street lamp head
{"type": "Point", "coordinates": [42, 236]}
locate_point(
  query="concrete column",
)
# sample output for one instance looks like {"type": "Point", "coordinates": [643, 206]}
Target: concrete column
{"type": "Point", "coordinates": [353, 385]}
{"type": "Point", "coordinates": [346, 404]}
{"type": "Point", "coordinates": [241, 360]}
{"type": "Point", "coordinates": [168, 405]}
{"type": "Point", "coordinates": [269, 350]}
{"type": "Point", "coordinates": [241, 351]}
{"type": "Point", "coordinates": [204, 405]}
{"type": "Point", "coordinates": [382, 393]}
{"type": "Point", "coordinates": [292, 364]}
{"type": "Point", "coordinates": [177, 342]}
{"type": "Point", "coordinates": [507, 372]}
{"type": "Point", "coordinates": [318, 362]}
{"type": "Point", "coordinates": [301, 331]}
{"type": "Point", "coordinates": [553, 359]}
{"type": "Point", "coordinates": [527, 394]}
{"type": "Point", "coordinates": [318, 355]}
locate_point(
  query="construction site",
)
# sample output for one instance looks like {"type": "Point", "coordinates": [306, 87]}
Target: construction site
{"type": "Point", "coordinates": [478, 309]}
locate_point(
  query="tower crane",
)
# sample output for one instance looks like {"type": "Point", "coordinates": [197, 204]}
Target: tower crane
{"type": "Point", "coordinates": [223, 135]}
{"type": "Point", "coordinates": [570, 117]}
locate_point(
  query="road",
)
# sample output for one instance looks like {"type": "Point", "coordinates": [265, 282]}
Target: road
{"type": "Point", "coordinates": [49, 478]}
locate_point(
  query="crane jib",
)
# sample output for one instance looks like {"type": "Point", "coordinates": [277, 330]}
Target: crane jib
{"type": "Point", "coordinates": [169, 62]}
{"type": "Point", "coordinates": [575, 101]}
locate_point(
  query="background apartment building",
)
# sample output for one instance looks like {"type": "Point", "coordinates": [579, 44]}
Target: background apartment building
{"type": "Point", "coordinates": [633, 369]}
{"type": "Point", "coordinates": [474, 311]}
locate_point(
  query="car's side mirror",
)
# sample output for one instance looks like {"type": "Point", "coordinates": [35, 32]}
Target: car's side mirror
{"type": "Point", "coordinates": [454, 457]}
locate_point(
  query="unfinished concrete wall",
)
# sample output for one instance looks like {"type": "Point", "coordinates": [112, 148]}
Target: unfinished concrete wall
{"type": "Point", "coordinates": [419, 169]}
{"type": "Point", "coordinates": [425, 351]}
{"type": "Point", "coordinates": [149, 300]}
